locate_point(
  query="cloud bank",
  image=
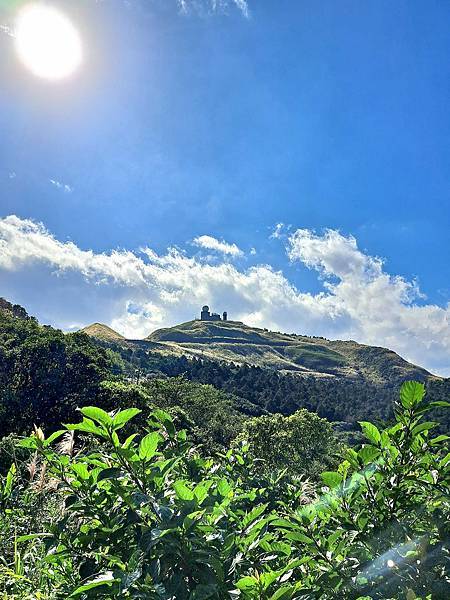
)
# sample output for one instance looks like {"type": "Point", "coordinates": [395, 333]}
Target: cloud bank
{"type": "Point", "coordinates": [136, 292]}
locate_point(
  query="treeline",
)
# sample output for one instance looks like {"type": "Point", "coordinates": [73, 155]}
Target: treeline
{"type": "Point", "coordinates": [45, 374]}
{"type": "Point", "coordinates": [336, 399]}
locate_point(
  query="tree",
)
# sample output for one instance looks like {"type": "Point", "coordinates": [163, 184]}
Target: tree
{"type": "Point", "coordinates": [302, 443]}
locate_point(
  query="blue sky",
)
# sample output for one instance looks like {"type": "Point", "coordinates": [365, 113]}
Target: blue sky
{"type": "Point", "coordinates": [188, 121]}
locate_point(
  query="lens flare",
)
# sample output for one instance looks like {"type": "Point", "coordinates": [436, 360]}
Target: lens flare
{"type": "Point", "coordinates": [47, 43]}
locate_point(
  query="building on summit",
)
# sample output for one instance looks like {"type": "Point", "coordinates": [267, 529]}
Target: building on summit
{"type": "Point", "coordinates": [205, 315]}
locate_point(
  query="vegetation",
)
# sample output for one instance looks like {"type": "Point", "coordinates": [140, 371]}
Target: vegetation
{"type": "Point", "coordinates": [301, 443]}
{"type": "Point", "coordinates": [233, 341]}
{"type": "Point", "coordinates": [107, 514]}
{"type": "Point", "coordinates": [44, 374]}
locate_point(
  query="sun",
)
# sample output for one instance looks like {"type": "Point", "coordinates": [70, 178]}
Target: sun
{"type": "Point", "coordinates": [47, 42]}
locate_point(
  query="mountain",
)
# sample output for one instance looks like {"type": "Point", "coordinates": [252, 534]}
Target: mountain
{"type": "Point", "coordinates": [102, 332]}
{"type": "Point", "coordinates": [235, 342]}
{"type": "Point", "coordinates": [46, 374]}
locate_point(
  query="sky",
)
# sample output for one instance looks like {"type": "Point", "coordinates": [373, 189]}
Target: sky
{"type": "Point", "coordinates": [286, 161]}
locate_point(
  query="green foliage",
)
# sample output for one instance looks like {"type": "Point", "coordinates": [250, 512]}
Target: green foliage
{"type": "Point", "coordinates": [301, 443]}
{"type": "Point", "coordinates": [146, 516]}
{"type": "Point", "coordinates": [208, 414]}
{"type": "Point", "coordinates": [44, 374]}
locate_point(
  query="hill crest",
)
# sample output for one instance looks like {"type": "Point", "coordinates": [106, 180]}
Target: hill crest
{"type": "Point", "coordinates": [102, 332]}
{"type": "Point", "coordinates": [235, 342]}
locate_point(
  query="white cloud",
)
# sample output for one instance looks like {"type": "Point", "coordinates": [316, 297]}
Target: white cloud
{"type": "Point", "coordinates": [211, 243]}
{"type": "Point", "coordinates": [277, 232]}
{"type": "Point", "coordinates": [61, 186]}
{"type": "Point", "coordinates": [212, 6]}
{"type": "Point", "coordinates": [138, 292]}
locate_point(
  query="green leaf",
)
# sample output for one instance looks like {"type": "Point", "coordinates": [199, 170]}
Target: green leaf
{"type": "Point", "coordinates": [86, 426]}
{"type": "Point", "coordinates": [283, 593]}
{"type": "Point", "coordinates": [256, 512]}
{"type": "Point", "coordinates": [9, 480]}
{"type": "Point", "coordinates": [32, 536]}
{"type": "Point", "coordinates": [411, 393]}
{"type": "Point", "coordinates": [107, 579]}
{"type": "Point", "coordinates": [148, 445]}
{"type": "Point", "coordinates": [296, 536]}
{"type": "Point", "coordinates": [247, 583]}
{"type": "Point", "coordinates": [224, 488]}
{"type": "Point", "coordinates": [423, 427]}
{"type": "Point", "coordinates": [182, 491]}
{"type": "Point", "coordinates": [368, 454]}
{"type": "Point", "coordinates": [439, 439]}
{"type": "Point", "coordinates": [445, 461]}
{"type": "Point", "coordinates": [110, 473]}
{"type": "Point", "coordinates": [124, 416]}
{"type": "Point", "coordinates": [200, 492]}
{"type": "Point", "coordinates": [81, 470]}
{"type": "Point", "coordinates": [96, 414]}
{"type": "Point", "coordinates": [442, 403]}
{"type": "Point", "coordinates": [54, 436]}
{"type": "Point", "coordinates": [371, 432]}
{"type": "Point", "coordinates": [127, 443]}
{"type": "Point", "coordinates": [331, 478]}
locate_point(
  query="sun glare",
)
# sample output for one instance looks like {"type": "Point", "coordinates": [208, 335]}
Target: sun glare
{"type": "Point", "coordinates": [47, 42]}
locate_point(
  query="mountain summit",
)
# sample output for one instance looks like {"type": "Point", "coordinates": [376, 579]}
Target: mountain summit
{"type": "Point", "coordinates": [235, 342]}
{"type": "Point", "coordinates": [102, 332]}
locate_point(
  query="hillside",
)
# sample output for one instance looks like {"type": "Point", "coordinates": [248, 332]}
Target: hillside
{"type": "Point", "coordinates": [235, 342]}
{"type": "Point", "coordinates": [45, 374]}
{"type": "Point", "coordinates": [102, 332]}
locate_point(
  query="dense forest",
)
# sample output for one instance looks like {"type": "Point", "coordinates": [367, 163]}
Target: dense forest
{"type": "Point", "coordinates": [125, 474]}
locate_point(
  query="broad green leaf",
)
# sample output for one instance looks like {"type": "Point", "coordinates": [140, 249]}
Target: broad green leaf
{"type": "Point", "coordinates": [296, 536]}
{"type": "Point", "coordinates": [148, 445]}
{"type": "Point", "coordinates": [439, 439]}
{"type": "Point", "coordinates": [127, 443]}
{"type": "Point", "coordinates": [54, 436]}
{"type": "Point", "coordinates": [110, 473]}
{"type": "Point", "coordinates": [411, 393]}
{"type": "Point", "coordinates": [81, 470]}
{"type": "Point", "coordinates": [223, 487]}
{"type": "Point", "coordinates": [368, 454]}
{"type": "Point", "coordinates": [254, 514]}
{"type": "Point", "coordinates": [96, 414]}
{"type": "Point", "coordinates": [331, 478]}
{"type": "Point", "coordinates": [283, 593]}
{"type": "Point", "coordinates": [124, 416]}
{"type": "Point", "coordinates": [200, 492]}
{"type": "Point", "coordinates": [182, 491]}
{"type": "Point", "coordinates": [445, 461]}
{"type": "Point", "coordinates": [32, 536]}
{"type": "Point", "coordinates": [107, 579]}
{"type": "Point", "coordinates": [371, 432]}
{"type": "Point", "coordinates": [423, 427]}
{"type": "Point", "coordinates": [86, 426]}
{"type": "Point", "coordinates": [247, 583]}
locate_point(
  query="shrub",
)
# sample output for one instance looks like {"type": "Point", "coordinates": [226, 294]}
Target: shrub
{"type": "Point", "coordinates": [148, 517]}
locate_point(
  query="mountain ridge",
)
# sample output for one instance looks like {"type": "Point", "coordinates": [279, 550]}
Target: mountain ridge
{"type": "Point", "coordinates": [235, 342]}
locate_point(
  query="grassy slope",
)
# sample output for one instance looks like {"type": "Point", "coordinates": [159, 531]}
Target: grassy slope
{"type": "Point", "coordinates": [103, 332]}
{"type": "Point", "coordinates": [236, 342]}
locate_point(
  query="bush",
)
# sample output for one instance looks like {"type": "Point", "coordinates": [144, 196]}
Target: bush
{"type": "Point", "coordinates": [148, 517]}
